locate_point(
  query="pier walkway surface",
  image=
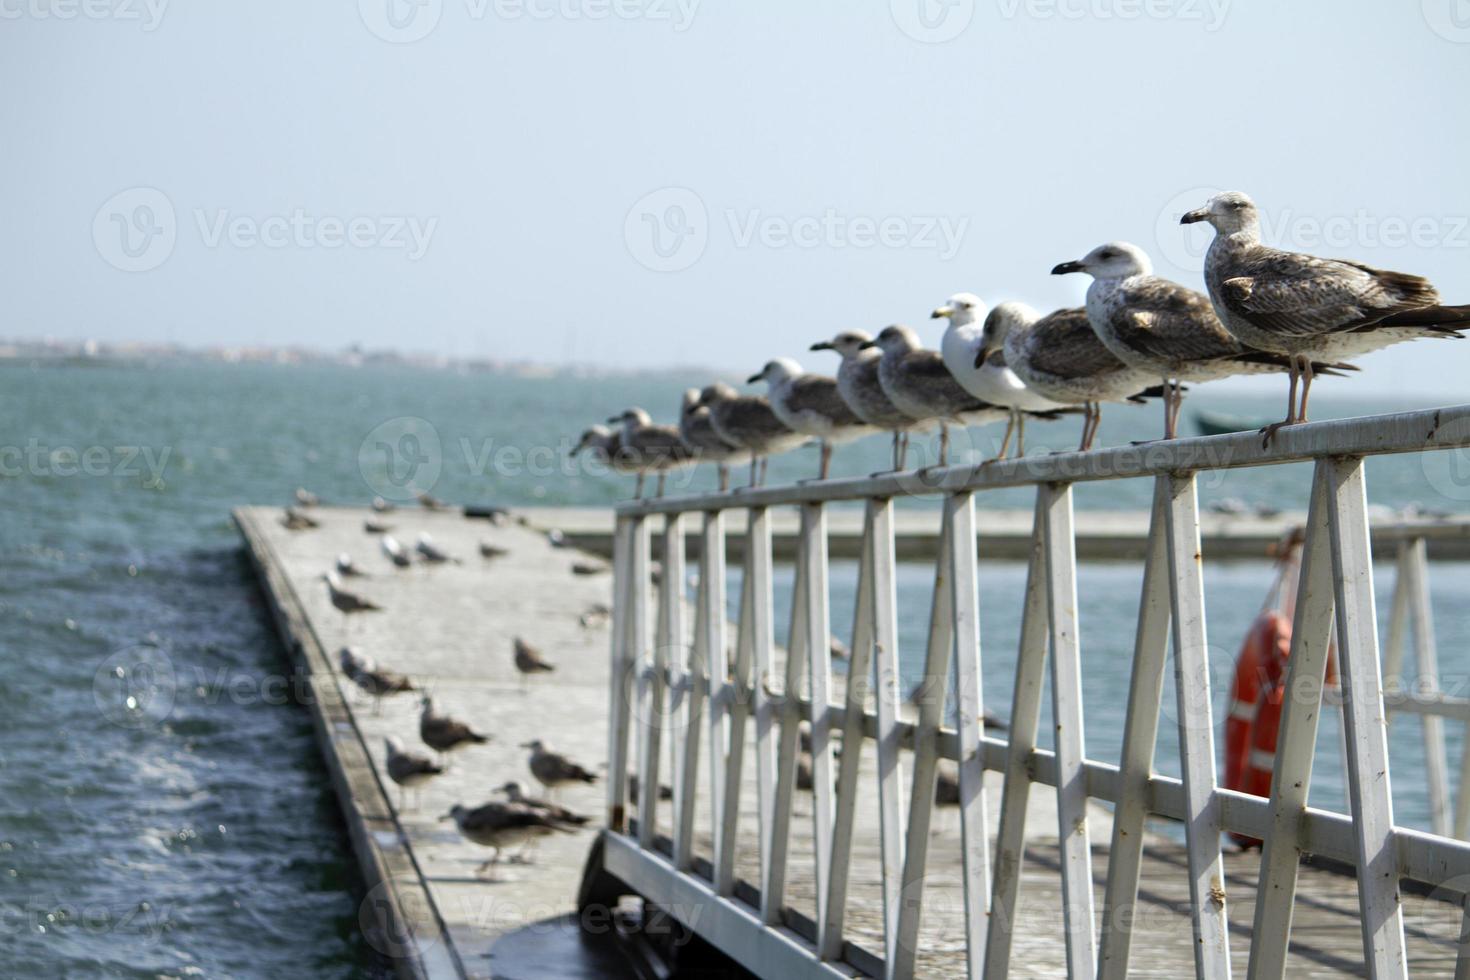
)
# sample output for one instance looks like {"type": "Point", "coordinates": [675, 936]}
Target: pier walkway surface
{"type": "Point", "coordinates": [450, 628]}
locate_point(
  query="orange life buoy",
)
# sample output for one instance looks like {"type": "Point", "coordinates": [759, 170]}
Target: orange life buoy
{"type": "Point", "coordinates": [1255, 708]}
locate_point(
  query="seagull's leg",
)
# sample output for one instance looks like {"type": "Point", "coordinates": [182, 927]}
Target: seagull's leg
{"type": "Point", "coordinates": [1020, 433]}
{"type": "Point", "coordinates": [1269, 431]}
{"type": "Point", "coordinates": [827, 456]}
{"type": "Point", "coordinates": [943, 443]}
{"type": "Point", "coordinates": [1307, 375]}
{"type": "Point", "coordinates": [903, 451]}
{"type": "Point", "coordinates": [754, 462]}
{"type": "Point", "coordinates": [638, 488]}
{"type": "Point", "coordinates": [1168, 409]}
{"type": "Point", "coordinates": [1005, 442]}
{"type": "Point", "coordinates": [661, 476]}
{"type": "Point", "coordinates": [724, 471]}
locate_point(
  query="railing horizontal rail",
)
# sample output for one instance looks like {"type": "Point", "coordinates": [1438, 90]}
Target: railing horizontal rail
{"type": "Point", "coordinates": [1407, 432]}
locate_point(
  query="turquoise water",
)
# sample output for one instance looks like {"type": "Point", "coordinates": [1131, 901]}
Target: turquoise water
{"type": "Point", "coordinates": [210, 844]}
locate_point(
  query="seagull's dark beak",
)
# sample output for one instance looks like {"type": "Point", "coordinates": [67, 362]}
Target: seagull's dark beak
{"type": "Point", "coordinates": [615, 418]}
{"type": "Point", "coordinates": [942, 312]}
{"type": "Point", "coordinates": [1190, 217]}
{"type": "Point", "coordinates": [525, 745]}
{"type": "Point", "coordinates": [980, 357]}
{"type": "Point", "coordinates": [754, 378]}
{"type": "Point", "coordinates": [445, 816]}
{"type": "Point", "coordinates": [822, 345]}
{"type": "Point", "coordinates": [1066, 267]}
{"type": "Point", "coordinates": [867, 344]}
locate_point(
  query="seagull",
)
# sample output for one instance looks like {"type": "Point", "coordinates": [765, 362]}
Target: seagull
{"type": "Point", "coordinates": [381, 506]}
{"type": "Point", "coordinates": [365, 673]}
{"type": "Point", "coordinates": [650, 448]}
{"type": "Point", "coordinates": [585, 568]}
{"type": "Point", "coordinates": [605, 446]}
{"type": "Point", "coordinates": [431, 552]}
{"type": "Point", "coordinates": [500, 825]}
{"type": "Point", "coordinates": [347, 569]}
{"type": "Point", "coordinates": [1060, 356]}
{"type": "Point", "coordinates": [749, 422]}
{"type": "Point", "coordinates": [1307, 308]}
{"type": "Point", "coordinates": [306, 498]}
{"type": "Point", "coordinates": [861, 389]}
{"type": "Point", "coordinates": [917, 381]}
{"type": "Point", "coordinates": [372, 526]}
{"type": "Point", "coordinates": [528, 661]}
{"type": "Point", "coordinates": [810, 404]}
{"type": "Point", "coordinates": [444, 734]}
{"type": "Point", "coordinates": [347, 602]}
{"type": "Point", "coordinates": [552, 769]}
{"type": "Point", "coordinates": [429, 502]}
{"type": "Point", "coordinates": [488, 550]}
{"type": "Point", "coordinates": [697, 429]}
{"type": "Point", "coordinates": [990, 381]}
{"type": "Point", "coordinates": [294, 520]}
{"type": "Point", "coordinates": [395, 551]}
{"type": "Point", "coordinates": [1160, 326]}
{"type": "Point", "coordinates": [516, 793]}
{"type": "Point", "coordinates": [408, 769]}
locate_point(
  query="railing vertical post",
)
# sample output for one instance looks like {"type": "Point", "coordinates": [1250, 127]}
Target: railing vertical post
{"type": "Point", "coordinates": [694, 682]}
{"type": "Point", "coordinates": [645, 716]}
{"type": "Point", "coordinates": [738, 704]}
{"type": "Point", "coordinates": [1295, 743]}
{"type": "Point", "coordinates": [926, 753]}
{"type": "Point", "coordinates": [1140, 733]}
{"type": "Point", "coordinates": [1066, 692]}
{"type": "Point", "coordinates": [1196, 732]}
{"type": "Point", "coordinates": [886, 696]}
{"type": "Point", "coordinates": [859, 670]}
{"type": "Point", "coordinates": [819, 683]}
{"type": "Point", "coordinates": [758, 574]}
{"type": "Point", "coordinates": [618, 681]}
{"type": "Point", "coordinates": [655, 699]}
{"type": "Point", "coordinates": [1368, 773]}
{"type": "Point", "coordinates": [712, 642]}
{"type": "Point", "coordinates": [1426, 658]}
{"type": "Point", "coordinates": [1025, 711]}
{"type": "Point", "coordinates": [974, 832]}
{"type": "Point", "coordinates": [773, 886]}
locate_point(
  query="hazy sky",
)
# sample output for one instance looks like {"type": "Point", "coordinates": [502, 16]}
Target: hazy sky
{"type": "Point", "coordinates": [649, 182]}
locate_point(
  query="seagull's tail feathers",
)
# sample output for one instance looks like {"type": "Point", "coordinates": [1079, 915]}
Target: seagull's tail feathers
{"type": "Point", "coordinates": [1445, 321]}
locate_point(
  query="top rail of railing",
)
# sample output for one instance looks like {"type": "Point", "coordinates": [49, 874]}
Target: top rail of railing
{"type": "Point", "coordinates": [1371, 435]}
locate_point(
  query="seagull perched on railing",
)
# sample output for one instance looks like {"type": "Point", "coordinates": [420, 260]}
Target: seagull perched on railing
{"type": "Point", "coordinates": [810, 404]}
{"type": "Point", "coordinates": [1160, 326]}
{"type": "Point", "coordinates": [444, 734]}
{"type": "Point", "coordinates": [697, 429]}
{"type": "Point", "coordinates": [1061, 356]}
{"type": "Point", "coordinates": [921, 386]}
{"type": "Point", "coordinates": [408, 769]}
{"type": "Point", "coordinates": [604, 445]}
{"type": "Point", "coordinates": [1307, 308]}
{"type": "Point", "coordinates": [748, 421]}
{"type": "Point", "coordinates": [988, 380]}
{"type": "Point", "coordinates": [650, 448]}
{"type": "Point", "coordinates": [861, 389]}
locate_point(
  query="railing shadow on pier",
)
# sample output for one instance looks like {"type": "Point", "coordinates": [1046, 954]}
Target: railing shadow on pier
{"type": "Point", "coordinates": [667, 686]}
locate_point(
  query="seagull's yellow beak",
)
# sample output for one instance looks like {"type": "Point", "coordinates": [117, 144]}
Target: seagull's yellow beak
{"type": "Point", "coordinates": [942, 311]}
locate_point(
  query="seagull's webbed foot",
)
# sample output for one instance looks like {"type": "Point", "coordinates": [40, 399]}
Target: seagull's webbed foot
{"type": "Point", "coordinates": [1268, 432]}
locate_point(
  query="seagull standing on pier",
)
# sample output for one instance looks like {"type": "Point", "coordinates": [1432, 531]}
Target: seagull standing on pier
{"type": "Point", "coordinates": [294, 520]}
{"type": "Point", "coordinates": [395, 551]}
{"type": "Point", "coordinates": [988, 380]}
{"type": "Point", "coordinates": [430, 552]}
{"type": "Point", "coordinates": [651, 448]}
{"type": "Point", "coordinates": [347, 569]}
{"type": "Point", "coordinates": [1307, 308]}
{"type": "Point", "coordinates": [516, 793]}
{"type": "Point", "coordinates": [528, 661]}
{"type": "Point", "coordinates": [917, 381]}
{"type": "Point", "coordinates": [500, 825]}
{"type": "Point", "coordinates": [347, 602]}
{"type": "Point", "coordinates": [860, 388]}
{"type": "Point", "coordinates": [552, 769]}
{"type": "Point", "coordinates": [306, 498]}
{"type": "Point", "coordinates": [749, 422]}
{"type": "Point", "coordinates": [444, 734]}
{"type": "Point", "coordinates": [697, 429]}
{"type": "Point", "coordinates": [409, 770]}
{"type": "Point", "coordinates": [810, 404]}
{"type": "Point", "coordinates": [1061, 356]}
{"type": "Point", "coordinates": [373, 680]}
{"type": "Point", "coordinates": [1160, 326]}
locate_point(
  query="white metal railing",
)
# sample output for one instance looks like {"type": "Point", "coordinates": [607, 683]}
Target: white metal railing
{"type": "Point", "coordinates": [659, 678]}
